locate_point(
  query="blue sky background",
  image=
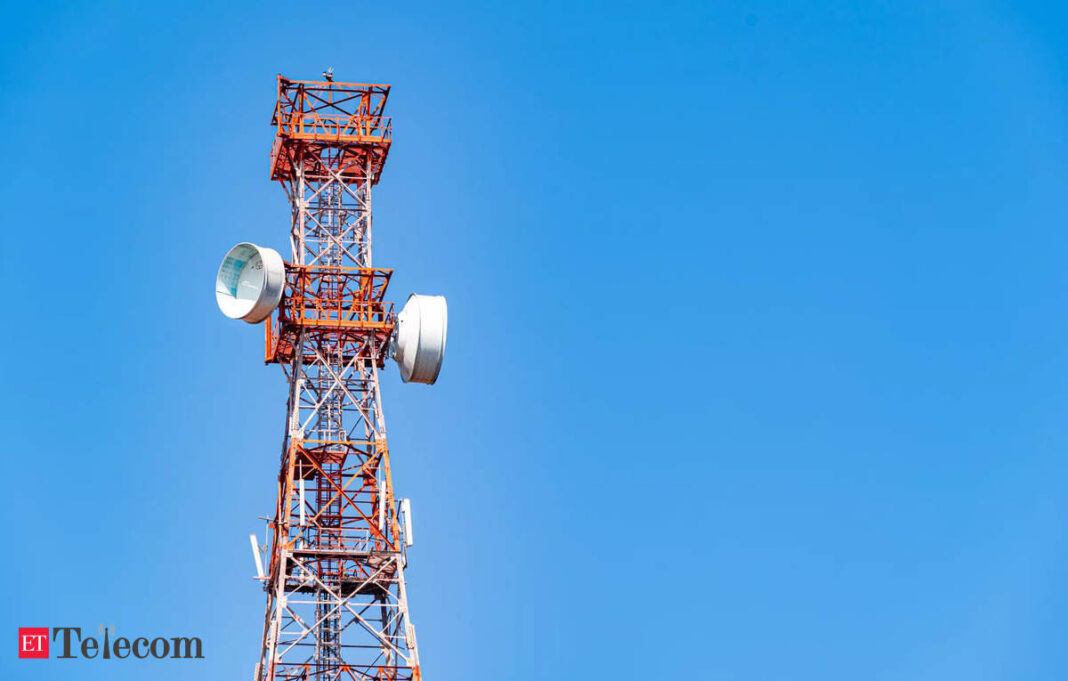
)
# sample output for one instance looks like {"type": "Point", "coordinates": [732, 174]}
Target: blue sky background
{"type": "Point", "coordinates": [758, 358]}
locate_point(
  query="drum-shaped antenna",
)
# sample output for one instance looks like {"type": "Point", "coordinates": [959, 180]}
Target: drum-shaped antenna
{"type": "Point", "coordinates": [419, 338]}
{"type": "Point", "coordinates": [250, 282]}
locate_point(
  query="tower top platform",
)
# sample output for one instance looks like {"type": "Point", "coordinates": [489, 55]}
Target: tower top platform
{"type": "Point", "coordinates": [327, 127]}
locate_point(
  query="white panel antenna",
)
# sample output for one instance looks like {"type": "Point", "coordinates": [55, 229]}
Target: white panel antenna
{"type": "Point", "coordinates": [256, 556]}
{"type": "Point", "coordinates": [406, 514]}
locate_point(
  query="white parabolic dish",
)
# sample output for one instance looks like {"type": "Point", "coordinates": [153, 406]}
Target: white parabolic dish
{"type": "Point", "coordinates": [250, 282]}
{"type": "Point", "coordinates": [419, 346]}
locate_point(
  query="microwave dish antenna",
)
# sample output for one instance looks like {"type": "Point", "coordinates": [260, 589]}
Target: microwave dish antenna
{"type": "Point", "coordinates": [419, 338]}
{"type": "Point", "coordinates": [250, 282]}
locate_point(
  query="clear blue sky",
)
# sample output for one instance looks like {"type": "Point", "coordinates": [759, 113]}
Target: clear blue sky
{"type": "Point", "coordinates": [758, 358]}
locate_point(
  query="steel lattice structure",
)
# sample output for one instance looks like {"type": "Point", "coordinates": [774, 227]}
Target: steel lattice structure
{"type": "Point", "coordinates": [336, 601]}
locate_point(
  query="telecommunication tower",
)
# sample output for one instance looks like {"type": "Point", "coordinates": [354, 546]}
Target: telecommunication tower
{"type": "Point", "coordinates": [337, 606]}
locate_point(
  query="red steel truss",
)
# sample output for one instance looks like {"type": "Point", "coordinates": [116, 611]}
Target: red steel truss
{"type": "Point", "coordinates": [338, 309]}
{"type": "Point", "coordinates": [346, 116]}
{"type": "Point", "coordinates": [336, 597]}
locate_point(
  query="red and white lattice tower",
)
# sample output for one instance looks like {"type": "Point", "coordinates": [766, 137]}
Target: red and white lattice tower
{"type": "Point", "coordinates": [336, 601]}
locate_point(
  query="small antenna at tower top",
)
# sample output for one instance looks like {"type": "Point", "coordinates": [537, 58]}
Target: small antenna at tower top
{"type": "Point", "coordinates": [329, 74]}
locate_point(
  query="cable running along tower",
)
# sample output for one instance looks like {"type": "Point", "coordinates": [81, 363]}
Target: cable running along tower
{"type": "Point", "coordinates": [336, 601]}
